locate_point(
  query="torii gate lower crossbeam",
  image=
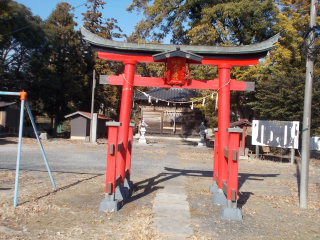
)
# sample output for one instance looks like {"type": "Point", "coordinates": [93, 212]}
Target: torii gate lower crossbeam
{"type": "Point", "coordinates": [192, 83]}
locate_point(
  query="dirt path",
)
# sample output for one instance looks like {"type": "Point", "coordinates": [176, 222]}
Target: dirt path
{"type": "Point", "coordinates": [268, 195]}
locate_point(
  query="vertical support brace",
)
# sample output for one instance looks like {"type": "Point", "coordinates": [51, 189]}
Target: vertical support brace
{"type": "Point", "coordinates": [19, 154]}
{"type": "Point", "coordinates": [231, 211]}
{"type": "Point", "coordinates": [111, 157]}
{"type": "Point", "coordinates": [215, 156]}
{"type": "Point", "coordinates": [129, 151]}
{"type": "Point", "coordinates": [233, 163]}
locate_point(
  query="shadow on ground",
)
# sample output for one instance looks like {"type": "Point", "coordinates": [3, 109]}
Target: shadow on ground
{"type": "Point", "coordinates": [148, 185]}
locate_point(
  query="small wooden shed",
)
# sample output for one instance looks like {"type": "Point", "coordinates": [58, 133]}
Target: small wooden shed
{"type": "Point", "coordinates": [175, 119]}
{"type": "Point", "coordinates": [9, 117]}
{"type": "Point", "coordinates": [80, 125]}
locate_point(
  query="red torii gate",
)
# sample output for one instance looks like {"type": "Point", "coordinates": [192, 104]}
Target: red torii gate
{"type": "Point", "coordinates": [175, 61]}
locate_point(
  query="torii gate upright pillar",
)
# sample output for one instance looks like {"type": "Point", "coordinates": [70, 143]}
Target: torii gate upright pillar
{"type": "Point", "coordinates": [223, 124]}
{"type": "Point", "coordinates": [124, 119]}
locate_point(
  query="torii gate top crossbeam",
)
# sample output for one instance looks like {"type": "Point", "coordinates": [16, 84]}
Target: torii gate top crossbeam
{"type": "Point", "coordinates": [212, 55]}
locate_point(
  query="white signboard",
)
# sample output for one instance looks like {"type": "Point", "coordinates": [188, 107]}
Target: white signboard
{"type": "Point", "coordinates": [315, 143]}
{"type": "Point", "coordinates": [281, 134]}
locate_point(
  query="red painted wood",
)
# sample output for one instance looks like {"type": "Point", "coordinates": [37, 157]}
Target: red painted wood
{"type": "Point", "coordinates": [192, 83]}
{"type": "Point", "coordinates": [233, 62]}
{"type": "Point", "coordinates": [125, 109]}
{"type": "Point", "coordinates": [111, 158]}
{"type": "Point", "coordinates": [243, 140]}
{"type": "Point", "coordinates": [120, 57]}
{"type": "Point", "coordinates": [176, 71]}
{"type": "Point", "coordinates": [215, 157]}
{"type": "Point", "coordinates": [149, 59]}
{"type": "Point", "coordinates": [129, 151]}
{"type": "Point", "coordinates": [233, 165]}
{"type": "Point", "coordinates": [223, 121]}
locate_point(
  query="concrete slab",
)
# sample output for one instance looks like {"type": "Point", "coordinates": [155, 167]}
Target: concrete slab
{"type": "Point", "coordinates": [171, 210]}
{"type": "Point", "coordinates": [169, 197]}
{"type": "Point", "coordinates": [171, 201]}
{"type": "Point", "coordinates": [170, 206]}
{"type": "Point", "coordinates": [184, 205]}
{"type": "Point", "coordinates": [176, 226]}
{"type": "Point", "coordinates": [173, 189]}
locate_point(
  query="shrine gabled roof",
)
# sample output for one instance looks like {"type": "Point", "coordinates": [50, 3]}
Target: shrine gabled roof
{"type": "Point", "coordinates": [241, 122]}
{"type": "Point", "coordinates": [257, 50]}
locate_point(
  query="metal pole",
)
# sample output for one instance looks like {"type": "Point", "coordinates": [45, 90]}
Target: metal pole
{"type": "Point", "coordinates": [10, 93]}
{"type": "Point", "coordinates": [257, 151]}
{"type": "Point", "coordinates": [92, 103]}
{"type": "Point", "coordinates": [306, 126]}
{"type": "Point", "coordinates": [19, 154]}
{"type": "Point", "coordinates": [41, 148]}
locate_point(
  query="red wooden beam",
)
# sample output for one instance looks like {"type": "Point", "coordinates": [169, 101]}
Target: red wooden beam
{"type": "Point", "coordinates": [149, 59]}
{"type": "Point", "coordinates": [192, 83]}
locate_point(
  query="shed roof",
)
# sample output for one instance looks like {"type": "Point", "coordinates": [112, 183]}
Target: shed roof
{"type": "Point", "coordinates": [171, 94]}
{"type": "Point", "coordinates": [241, 122]}
{"type": "Point", "coordinates": [87, 115]}
{"type": "Point", "coordinates": [6, 104]}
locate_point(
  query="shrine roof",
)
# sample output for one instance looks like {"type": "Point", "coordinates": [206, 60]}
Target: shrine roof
{"type": "Point", "coordinates": [172, 94]}
{"type": "Point", "coordinates": [257, 50]}
{"type": "Point", "coordinates": [241, 122]}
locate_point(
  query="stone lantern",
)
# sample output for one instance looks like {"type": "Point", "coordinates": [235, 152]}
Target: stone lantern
{"type": "Point", "coordinates": [203, 131]}
{"type": "Point", "coordinates": [142, 138]}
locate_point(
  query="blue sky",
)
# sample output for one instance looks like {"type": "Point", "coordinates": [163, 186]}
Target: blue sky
{"type": "Point", "coordinates": [113, 9]}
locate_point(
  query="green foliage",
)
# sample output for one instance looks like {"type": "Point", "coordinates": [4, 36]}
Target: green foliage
{"type": "Point", "coordinates": [206, 22]}
{"type": "Point", "coordinates": [66, 63]}
{"type": "Point", "coordinates": [209, 108]}
{"type": "Point", "coordinates": [93, 21]}
{"type": "Point", "coordinates": [279, 78]}
{"type": "Point", "coordinates": [22, 41]}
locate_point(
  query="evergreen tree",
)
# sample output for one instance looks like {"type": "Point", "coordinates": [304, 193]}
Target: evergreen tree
{"type": "Point", "coordinates": [280, 88]}
{"type": "Point", "coordinates": [22, 41]}
{"type": "Point", "coordinates": [279, 78]}
{"type": "Point", "coordinates": [206, 22]}
{"type": "Point", "coordinates": [63, 90]}
{"type": "Point", "coordinates": [107, 28]}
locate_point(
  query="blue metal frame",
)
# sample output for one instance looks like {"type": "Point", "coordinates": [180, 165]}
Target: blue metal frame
{"type": "Point", "coordinates": [19, 154]}
{"type": "Point", "coordinates": [20, 141]}
{"type": "Point", "coordinates": [36, 133]}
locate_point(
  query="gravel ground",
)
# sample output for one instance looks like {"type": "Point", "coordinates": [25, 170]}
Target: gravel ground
{"type": "Point", "coordinates": [268, 195]}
